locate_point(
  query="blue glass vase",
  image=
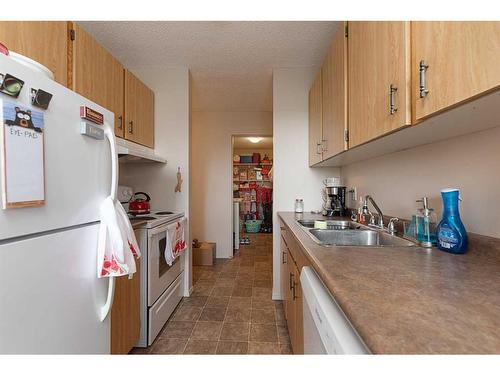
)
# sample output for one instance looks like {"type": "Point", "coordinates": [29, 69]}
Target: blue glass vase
{"type": "Point", "coordinates": [451, 233]}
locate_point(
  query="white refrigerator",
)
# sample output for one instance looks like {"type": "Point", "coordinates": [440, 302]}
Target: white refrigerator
{"type": "Point", "coordinates": [50, 296]}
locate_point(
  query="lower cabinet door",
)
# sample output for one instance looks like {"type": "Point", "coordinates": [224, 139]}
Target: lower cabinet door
{"type": "Point", "coordinates": [125, 314]}
{"type": "Point", "coordinates": [298, 337]}
{"type": "Point", "coordinates": [284, 274]}
{"type": "Point", "coordinates": [290, 302]}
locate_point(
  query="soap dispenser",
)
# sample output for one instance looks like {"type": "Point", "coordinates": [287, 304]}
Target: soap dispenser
{"type": "Point", "coordinates": [426, 221]}
{"type": "Point", "coordinates": [452, 236]}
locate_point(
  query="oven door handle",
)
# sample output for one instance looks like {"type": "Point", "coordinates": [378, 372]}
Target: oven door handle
{"type": "Point", "coordinates": [162, 228]}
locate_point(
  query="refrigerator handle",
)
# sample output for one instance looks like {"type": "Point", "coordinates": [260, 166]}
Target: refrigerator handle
{"type": "Point", "coordinates": [106, 308]}
{"type": "Point", "coordinates": [108, 132]}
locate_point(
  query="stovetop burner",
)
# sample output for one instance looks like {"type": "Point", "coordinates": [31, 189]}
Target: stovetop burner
{"type": "Point", "coordinates": [142, 218]}
{"type": "Point", "coordinates": [164, 213]}
{"type": "Point", "coordinates": [135, 214]}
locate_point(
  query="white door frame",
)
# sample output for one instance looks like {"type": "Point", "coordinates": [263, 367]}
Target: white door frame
{"type": "Point", "coordinates": [231, 143]}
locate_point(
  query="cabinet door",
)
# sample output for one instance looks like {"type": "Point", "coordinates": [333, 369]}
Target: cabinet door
{"type": "Point", "coordinates": [334, 97]}
{"type": "Point", "coordinates": [97, 75]}
{"type": "Point", "coordinates": [290, 302]}
{"type": "Point", "coordinates": [125, 314]}
{"type": "Point", "coordinates": [379, 58]}
{"type": "Point", "coordinates": [284, 274]}
{"type": "Point", "coordinates": [139, 111]}
{"type": "Point", "coordinates": [298, 337]}
{"type": "Point", "coordinates": [315, 135]}
{"type": "Point", "coordinates": [42, 41]}
{"type": "Point", "coordinates": [462, 59]}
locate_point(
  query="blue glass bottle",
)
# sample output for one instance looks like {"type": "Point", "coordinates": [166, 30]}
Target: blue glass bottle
{"type": "Point", "coordinates": [451, 233]}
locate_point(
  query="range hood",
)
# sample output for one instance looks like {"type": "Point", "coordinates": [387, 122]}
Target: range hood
{"type": "Point", "coordinates": [129, 152]}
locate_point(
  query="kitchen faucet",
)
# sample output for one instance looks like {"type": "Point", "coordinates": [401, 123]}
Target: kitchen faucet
{"type": "Point", "coordinates": [377, 208]}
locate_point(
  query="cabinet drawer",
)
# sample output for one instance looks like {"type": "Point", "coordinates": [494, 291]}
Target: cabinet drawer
{"type": "Point", "coordinates": [294, 249]}
{"type": "Point", "coordinates": [163, 308]}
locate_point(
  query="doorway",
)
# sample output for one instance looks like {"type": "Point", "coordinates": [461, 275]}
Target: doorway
{"type": "Point", "coordinates": [252, 186]}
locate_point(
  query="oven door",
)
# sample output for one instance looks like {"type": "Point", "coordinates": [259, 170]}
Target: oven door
{"type": "Point", "coordinates": [160, 274]}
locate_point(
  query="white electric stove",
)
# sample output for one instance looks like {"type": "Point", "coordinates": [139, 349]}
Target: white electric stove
{"type": "Point", "coordinates": [162, 286]}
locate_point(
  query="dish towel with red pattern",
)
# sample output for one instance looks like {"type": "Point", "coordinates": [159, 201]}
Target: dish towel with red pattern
{"type": "Point", "coordinates": [176, 242]}
{"type": "Point", "coordinates": [117, 244]}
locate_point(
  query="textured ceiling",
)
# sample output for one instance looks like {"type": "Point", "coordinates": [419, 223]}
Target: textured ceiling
{"type": "Point", "coordinates": [231, 63]}
{"type": "Point", "coordinates": [244, 143]}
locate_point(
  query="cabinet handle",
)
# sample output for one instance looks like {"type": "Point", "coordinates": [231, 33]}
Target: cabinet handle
{"type": "Point", "coordinates": [283, 257]}
{"type": "Point", "coordinates": [294, 297]}
{"type": "Point", "coordinates": [392, 99]}
{"type": "Point", "coordinates": [324, 145]}
{"type": "Point", "coordinates": [120, 122]}
{"type": "Point", "coordinates": [131, 127]}
{"type": "Point", "coordinates": [318, 151]}
{"type": "Point", "coordinates": [422, 70]}
{"type": "Point", "coordinates": [290, 286]}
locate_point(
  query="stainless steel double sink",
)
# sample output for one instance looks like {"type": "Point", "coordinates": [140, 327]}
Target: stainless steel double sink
{"type": "Point", "coordinates": [348, 233]}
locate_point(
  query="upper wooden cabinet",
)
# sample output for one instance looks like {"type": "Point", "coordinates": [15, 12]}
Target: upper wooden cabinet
{"type": "Point", "coordinates": [315, 127]}
{"type": "Point", "coordinates": [42, 41]}
{"type": "Point", "coordinates": [96, 74]}
{"type": "Point", "coordinates": [139, 111]}
{"type": "Point", "coordinates": [459, 61]}
{"type": "Point", "coordinates": [379, 75]}
{"type": "Point", "coordinates": [334, 97]}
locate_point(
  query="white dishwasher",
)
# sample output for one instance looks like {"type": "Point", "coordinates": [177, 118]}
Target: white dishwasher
{"type": "Point", "coordinates": [326, 328]}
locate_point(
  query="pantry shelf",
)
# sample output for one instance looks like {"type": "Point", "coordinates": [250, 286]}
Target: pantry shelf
{"type": "Point", "coordinates": [253, 164]}
{"type": "Point", "coordinates": [252, 181]}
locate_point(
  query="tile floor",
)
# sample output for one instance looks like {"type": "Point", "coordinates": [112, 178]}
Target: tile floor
{"type": "Point", "coordinates": [230, 310]}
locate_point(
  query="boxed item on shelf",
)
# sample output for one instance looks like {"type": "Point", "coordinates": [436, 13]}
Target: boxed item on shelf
{"type": "Point", "coordinates": [245, 159]}
{"type": "Point", "coordinates": [252, 174]}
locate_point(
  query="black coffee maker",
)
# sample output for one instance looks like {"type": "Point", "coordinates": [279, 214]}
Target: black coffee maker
{"type": "Point", "coordinates": [337, 200]}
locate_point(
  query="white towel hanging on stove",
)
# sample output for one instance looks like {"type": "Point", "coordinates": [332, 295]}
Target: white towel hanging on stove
{"type": "Point", "coordinates": [175, 243]}
{"type": "Point", "coordinates": [117, 245]}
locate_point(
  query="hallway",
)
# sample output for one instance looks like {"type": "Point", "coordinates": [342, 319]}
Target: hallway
{"type": "Point", "coordinates": [230, 310]}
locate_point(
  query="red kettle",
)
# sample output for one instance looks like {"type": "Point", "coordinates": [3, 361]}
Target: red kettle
{"type": "Point", "coordinates": [139, 206]}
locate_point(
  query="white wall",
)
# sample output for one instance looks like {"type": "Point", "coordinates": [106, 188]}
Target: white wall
{"type": "Point", "coordinates": [470, 163]}
{"type": "Point", "coordinates": [172, 135]}
{"type": "Point", "coordinates": [292, 176]}
{"type": "Point", "coordinates": [212, 171]}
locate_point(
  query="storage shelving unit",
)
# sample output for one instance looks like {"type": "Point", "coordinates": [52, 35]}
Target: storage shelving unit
{"type": "Point", "coordinates": [255, 194]}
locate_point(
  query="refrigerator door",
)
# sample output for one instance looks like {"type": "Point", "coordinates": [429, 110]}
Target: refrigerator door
{"type": "Point", "coordinates": [50, 295]}
{"type": "Point", "coordinates": [77, 167]}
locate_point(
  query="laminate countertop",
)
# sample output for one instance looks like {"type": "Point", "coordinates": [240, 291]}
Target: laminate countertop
{"type": "Point", "coordinates": [413, 300]}
{"type": "Point", "coordinates": [137, 223]}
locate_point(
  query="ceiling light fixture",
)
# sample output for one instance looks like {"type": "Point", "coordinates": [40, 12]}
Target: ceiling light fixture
{"type": "Point", "coordinates": [254, 139]}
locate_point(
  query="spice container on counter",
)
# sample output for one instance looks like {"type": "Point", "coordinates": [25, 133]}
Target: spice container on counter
{"type": "Point", "coordinates": [299, 205]}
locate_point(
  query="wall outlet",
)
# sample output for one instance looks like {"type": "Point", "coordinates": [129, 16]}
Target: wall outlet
{"type": "Point", "coordinates": [353, 194]}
